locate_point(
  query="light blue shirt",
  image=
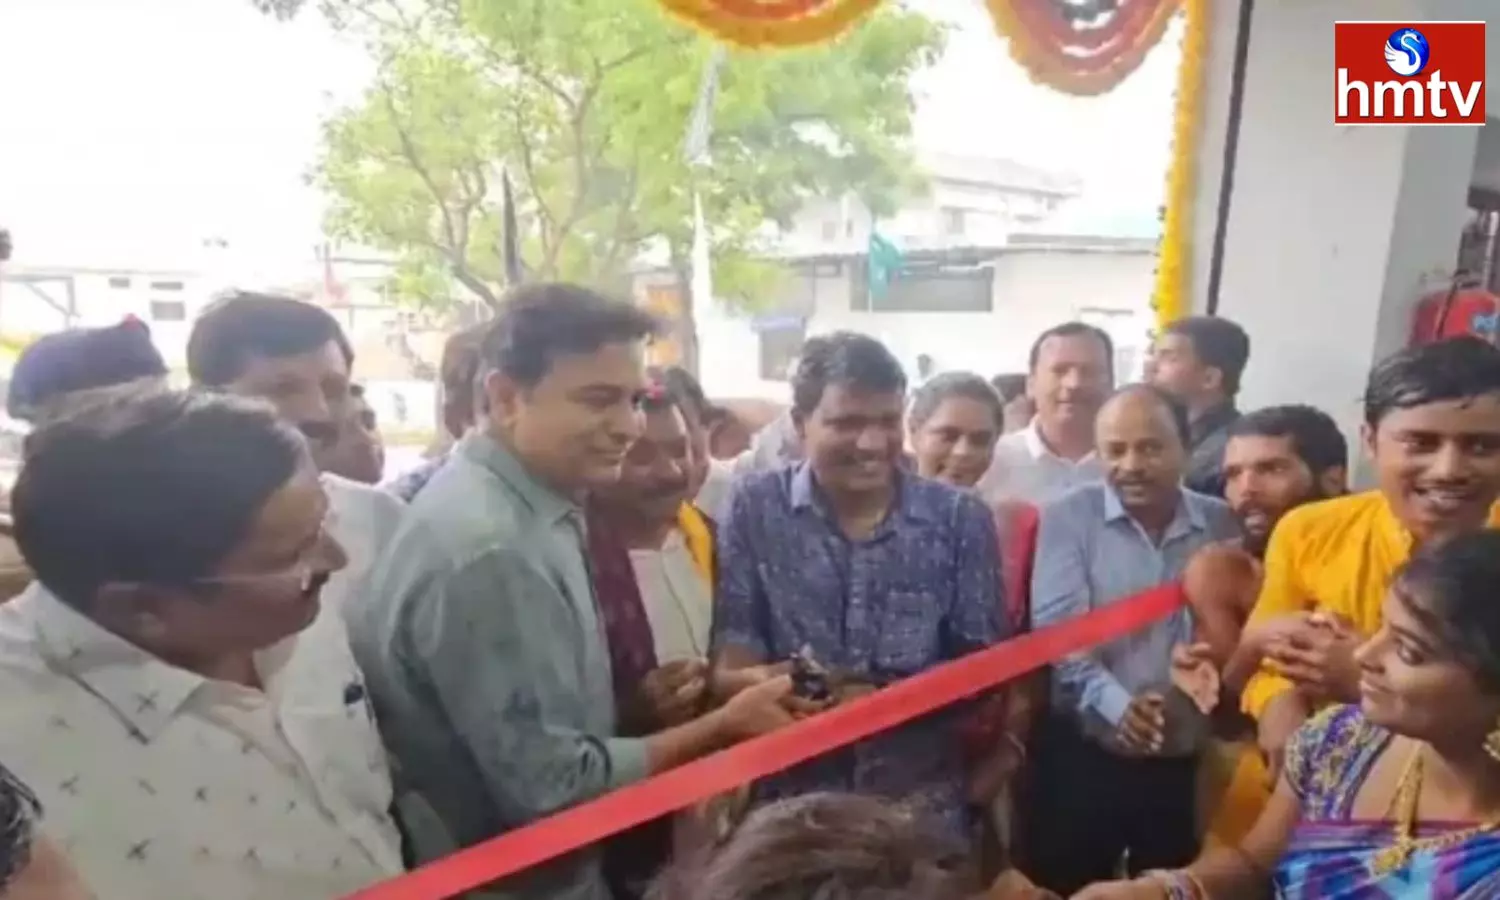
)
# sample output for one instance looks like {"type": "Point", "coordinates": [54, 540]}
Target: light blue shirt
{"type": "Point", "coordinates": [1091, 553]}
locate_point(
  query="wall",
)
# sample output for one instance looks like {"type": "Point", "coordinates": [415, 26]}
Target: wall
{"type": "Point", "coordinates": [1033, 289]}
{"type": "Point", "coordinates": [1334, 232]}
{"type": "Point", "coordinates": [1487, 155]}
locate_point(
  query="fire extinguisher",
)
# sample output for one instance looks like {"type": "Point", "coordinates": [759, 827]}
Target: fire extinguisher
{"type": "Point", "coordinates": [1463, 308]}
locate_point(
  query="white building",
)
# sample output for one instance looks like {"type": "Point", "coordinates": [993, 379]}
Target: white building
{"type": "Point", "coordinates": [970, 201]}
{"type": "Point", "coordinates": [978, 280]}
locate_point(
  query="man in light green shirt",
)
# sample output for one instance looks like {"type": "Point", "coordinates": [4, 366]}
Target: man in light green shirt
{"type": "Point", "coordinates": [480, 639]}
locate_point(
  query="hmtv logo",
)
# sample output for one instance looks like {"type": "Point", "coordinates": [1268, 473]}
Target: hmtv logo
{"type": "Point", "coordinates": [1408, 73]}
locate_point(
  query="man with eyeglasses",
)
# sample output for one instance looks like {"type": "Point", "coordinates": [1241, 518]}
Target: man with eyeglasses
{"type": "Point", "coordinates": [190, 717]}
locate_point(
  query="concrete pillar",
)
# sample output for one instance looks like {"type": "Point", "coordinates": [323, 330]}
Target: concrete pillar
{"type": "Point", "coordinates": [1333, 232]}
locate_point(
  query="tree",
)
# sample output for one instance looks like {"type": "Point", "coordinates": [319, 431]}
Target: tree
{"type": "Point", "coordinates": [585, 104]}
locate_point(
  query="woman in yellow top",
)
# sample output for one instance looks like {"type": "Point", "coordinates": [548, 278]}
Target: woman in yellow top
{"type": "Point", "coordinates": [1432, 430]}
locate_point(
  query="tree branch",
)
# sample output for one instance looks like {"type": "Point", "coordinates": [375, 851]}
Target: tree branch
{"type": "Point", "coordinates": [455, 232]}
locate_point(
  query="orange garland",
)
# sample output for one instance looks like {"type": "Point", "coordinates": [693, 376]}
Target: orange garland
{"type": "Point", "coordinates": [1035, 46]}
{"type": "Point", "coordinates": [759, 24]}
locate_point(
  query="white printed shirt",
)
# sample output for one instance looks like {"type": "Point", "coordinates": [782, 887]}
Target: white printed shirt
{"type": "Point", "coordinates": [164, 785]}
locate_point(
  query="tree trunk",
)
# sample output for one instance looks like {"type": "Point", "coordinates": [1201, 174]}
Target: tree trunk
{"type": "Point", "coordinates": [685, 325]}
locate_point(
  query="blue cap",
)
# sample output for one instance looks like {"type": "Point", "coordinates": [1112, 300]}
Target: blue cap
{"type": "Point", "coordinates": [80, 359]}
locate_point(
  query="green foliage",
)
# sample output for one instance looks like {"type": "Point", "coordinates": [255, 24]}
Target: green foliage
{"type": "Point", "coordinates": [585, 103]}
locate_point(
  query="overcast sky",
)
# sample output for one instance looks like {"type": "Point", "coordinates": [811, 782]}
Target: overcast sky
{"type": "Point", "coordinates": [135, 129]}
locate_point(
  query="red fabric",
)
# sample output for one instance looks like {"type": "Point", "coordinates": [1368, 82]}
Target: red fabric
{"type": "Point", "coordinates": [627, 630]}
{"type": "Point", "coordinates": [1016, 529]}
{"type": "Point", "coordinates": [1468, 312]}
{"type": "Point", "coordinates": [725, 771]}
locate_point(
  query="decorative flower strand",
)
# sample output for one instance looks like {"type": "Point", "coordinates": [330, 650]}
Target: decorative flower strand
{"type": "Point", "coordinates": [1170, 300]}
{"type": "Point", "coordinates": [760, 24]}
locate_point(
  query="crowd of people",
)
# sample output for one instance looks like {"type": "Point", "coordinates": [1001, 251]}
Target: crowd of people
{"type": "Point", "coordinates": [245, 668]}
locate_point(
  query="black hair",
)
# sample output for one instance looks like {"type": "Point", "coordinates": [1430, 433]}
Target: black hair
{"type": "Point", "coordinates": [458, 368]}
{"type": "Point", "coordinates": [1450, 586]}
{"type": "Point", "coordinates": [847, 359]}
{"type": "Point", "coordinates": [541, 322]}
{"type": "Point", "coordinates": [19, 813]}
{"type": "Point", "coordinates": [146, 484]}
{"type": "Point", "coordinates": [845, 846]}
{"type": "Point", "coordinates": [1073, 329]}
{"type": "Point", "coordinates": [1009, 385]}
{"type": "Point", "coordinates": [1175, 408]}
{"type": "Point", "coordinates": [243, 326]}
{"type": "Point", "coordinates": [689, 393]}
{"type": "Point", "coordinates": [1315, 437]}
{"type": "Point", "coordinates": [1219, 344]}
{"type": "Point", "coordinates": [929, 395]}
{"type": "Point", "coordinates": [1458, 368]}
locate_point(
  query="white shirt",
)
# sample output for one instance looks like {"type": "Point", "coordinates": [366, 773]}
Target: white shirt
{"type": "Point", "coordinates": [165, 785]}
{"type": "Point", "coordinates": [363, 519]}
{"type": "Point", "coordinates": [1026, 469]}
{"type": "Point", "coordinates": [713, 497]}
{"type": "Point", "coordinates": [678, 599]}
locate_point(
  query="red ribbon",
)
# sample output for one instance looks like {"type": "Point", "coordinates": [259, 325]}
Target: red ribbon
{"type": "Point", "coordinates": [726, 770]}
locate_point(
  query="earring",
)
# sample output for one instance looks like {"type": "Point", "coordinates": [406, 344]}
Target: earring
{"type": "Point", "coordinates": [1492, 744]}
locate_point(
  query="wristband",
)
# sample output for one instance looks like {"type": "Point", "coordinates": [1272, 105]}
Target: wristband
{"type": "Point", "coordinates": [1179, 885]}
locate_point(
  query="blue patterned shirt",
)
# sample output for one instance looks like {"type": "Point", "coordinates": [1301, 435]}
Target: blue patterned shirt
{"type": "Point", "coordinates": [923, 589]}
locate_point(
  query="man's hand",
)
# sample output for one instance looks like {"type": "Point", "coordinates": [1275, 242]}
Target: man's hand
{"type": "Point", "coordinates": [1013, 885]}
{"type": "Point", "coordinates": [1144, 727]}
{"type": "Point", "coordinates": [1320, 659]}
{"type": "Point", "coordinates": [1282, 717]}
{"type": "Point", "coordinates": [757, 710]}
{"type": "Point", "coordinates": [1194, 673]}
{"type": "Point", "coordinates": [671, 694]}
{"type": "Point", "coordinates": [1277, 630]}
{"type": "Point", "coordinates": [1139, 889]}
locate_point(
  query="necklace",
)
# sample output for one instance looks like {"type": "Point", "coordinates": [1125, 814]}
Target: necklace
{"type": "Point", "coordinates": [1404, 814]}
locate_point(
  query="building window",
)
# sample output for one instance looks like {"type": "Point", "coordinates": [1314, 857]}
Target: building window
{"type": "Point", "coordinates": [168, 311]}
{"type": "Point", "coordinates": [780, 344]}
{"type": "Point", "coordinates": [934, 289]}
{"type": "Point", "coordinates": [953, 222]}
{"type": "Point", "coordinates": [830, 231]}
{"type": "Point", "coordinates": [166, 285]}
{"type": "Point", "coordinates": [119, 282]}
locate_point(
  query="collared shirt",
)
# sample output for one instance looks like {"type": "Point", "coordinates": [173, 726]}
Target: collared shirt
{"type": "Point", "coordinates": [1091, 553]}
{"type": "Point", "coordinates": [161, 783]}
{"type": "Point", "coordinates": [363, 520]}
{"type": "Point", "coordinates": [486, 657]}
{"type": "Point", "coordinates": [678, 599]}
{"type": "Point", "coordinates": [1210, 435]}
{"type": "Point", "coordinates": [713, 497]}
{"type": "Point", "coordinates": [924, 588]}
{"type": "Point", "coordinates": [1026, 469]}
{"type": "Point", "coordinates": [772, 447]}
{"type": "Point", "coordinates": [1336, 556]}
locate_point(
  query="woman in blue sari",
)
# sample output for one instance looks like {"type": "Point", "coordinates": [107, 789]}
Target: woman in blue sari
{"type": "Point", "coordinates": [1397, 798]}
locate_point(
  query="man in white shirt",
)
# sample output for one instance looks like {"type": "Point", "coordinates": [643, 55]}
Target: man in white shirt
{"type": "Point", "coordinates": [296, 356]}
{"type": "Point", "coordinates": [174, 693]}
{"type": "Point", "coordinates": [1071, 373]}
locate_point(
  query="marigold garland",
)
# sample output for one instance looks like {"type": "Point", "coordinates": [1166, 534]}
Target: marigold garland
{"type": "Point", "coordinates": [1036, 43]}
{"type": "Point", "coordinates": [771, 23]}
{"type": "Point", "coordinates": [1171, 299]}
